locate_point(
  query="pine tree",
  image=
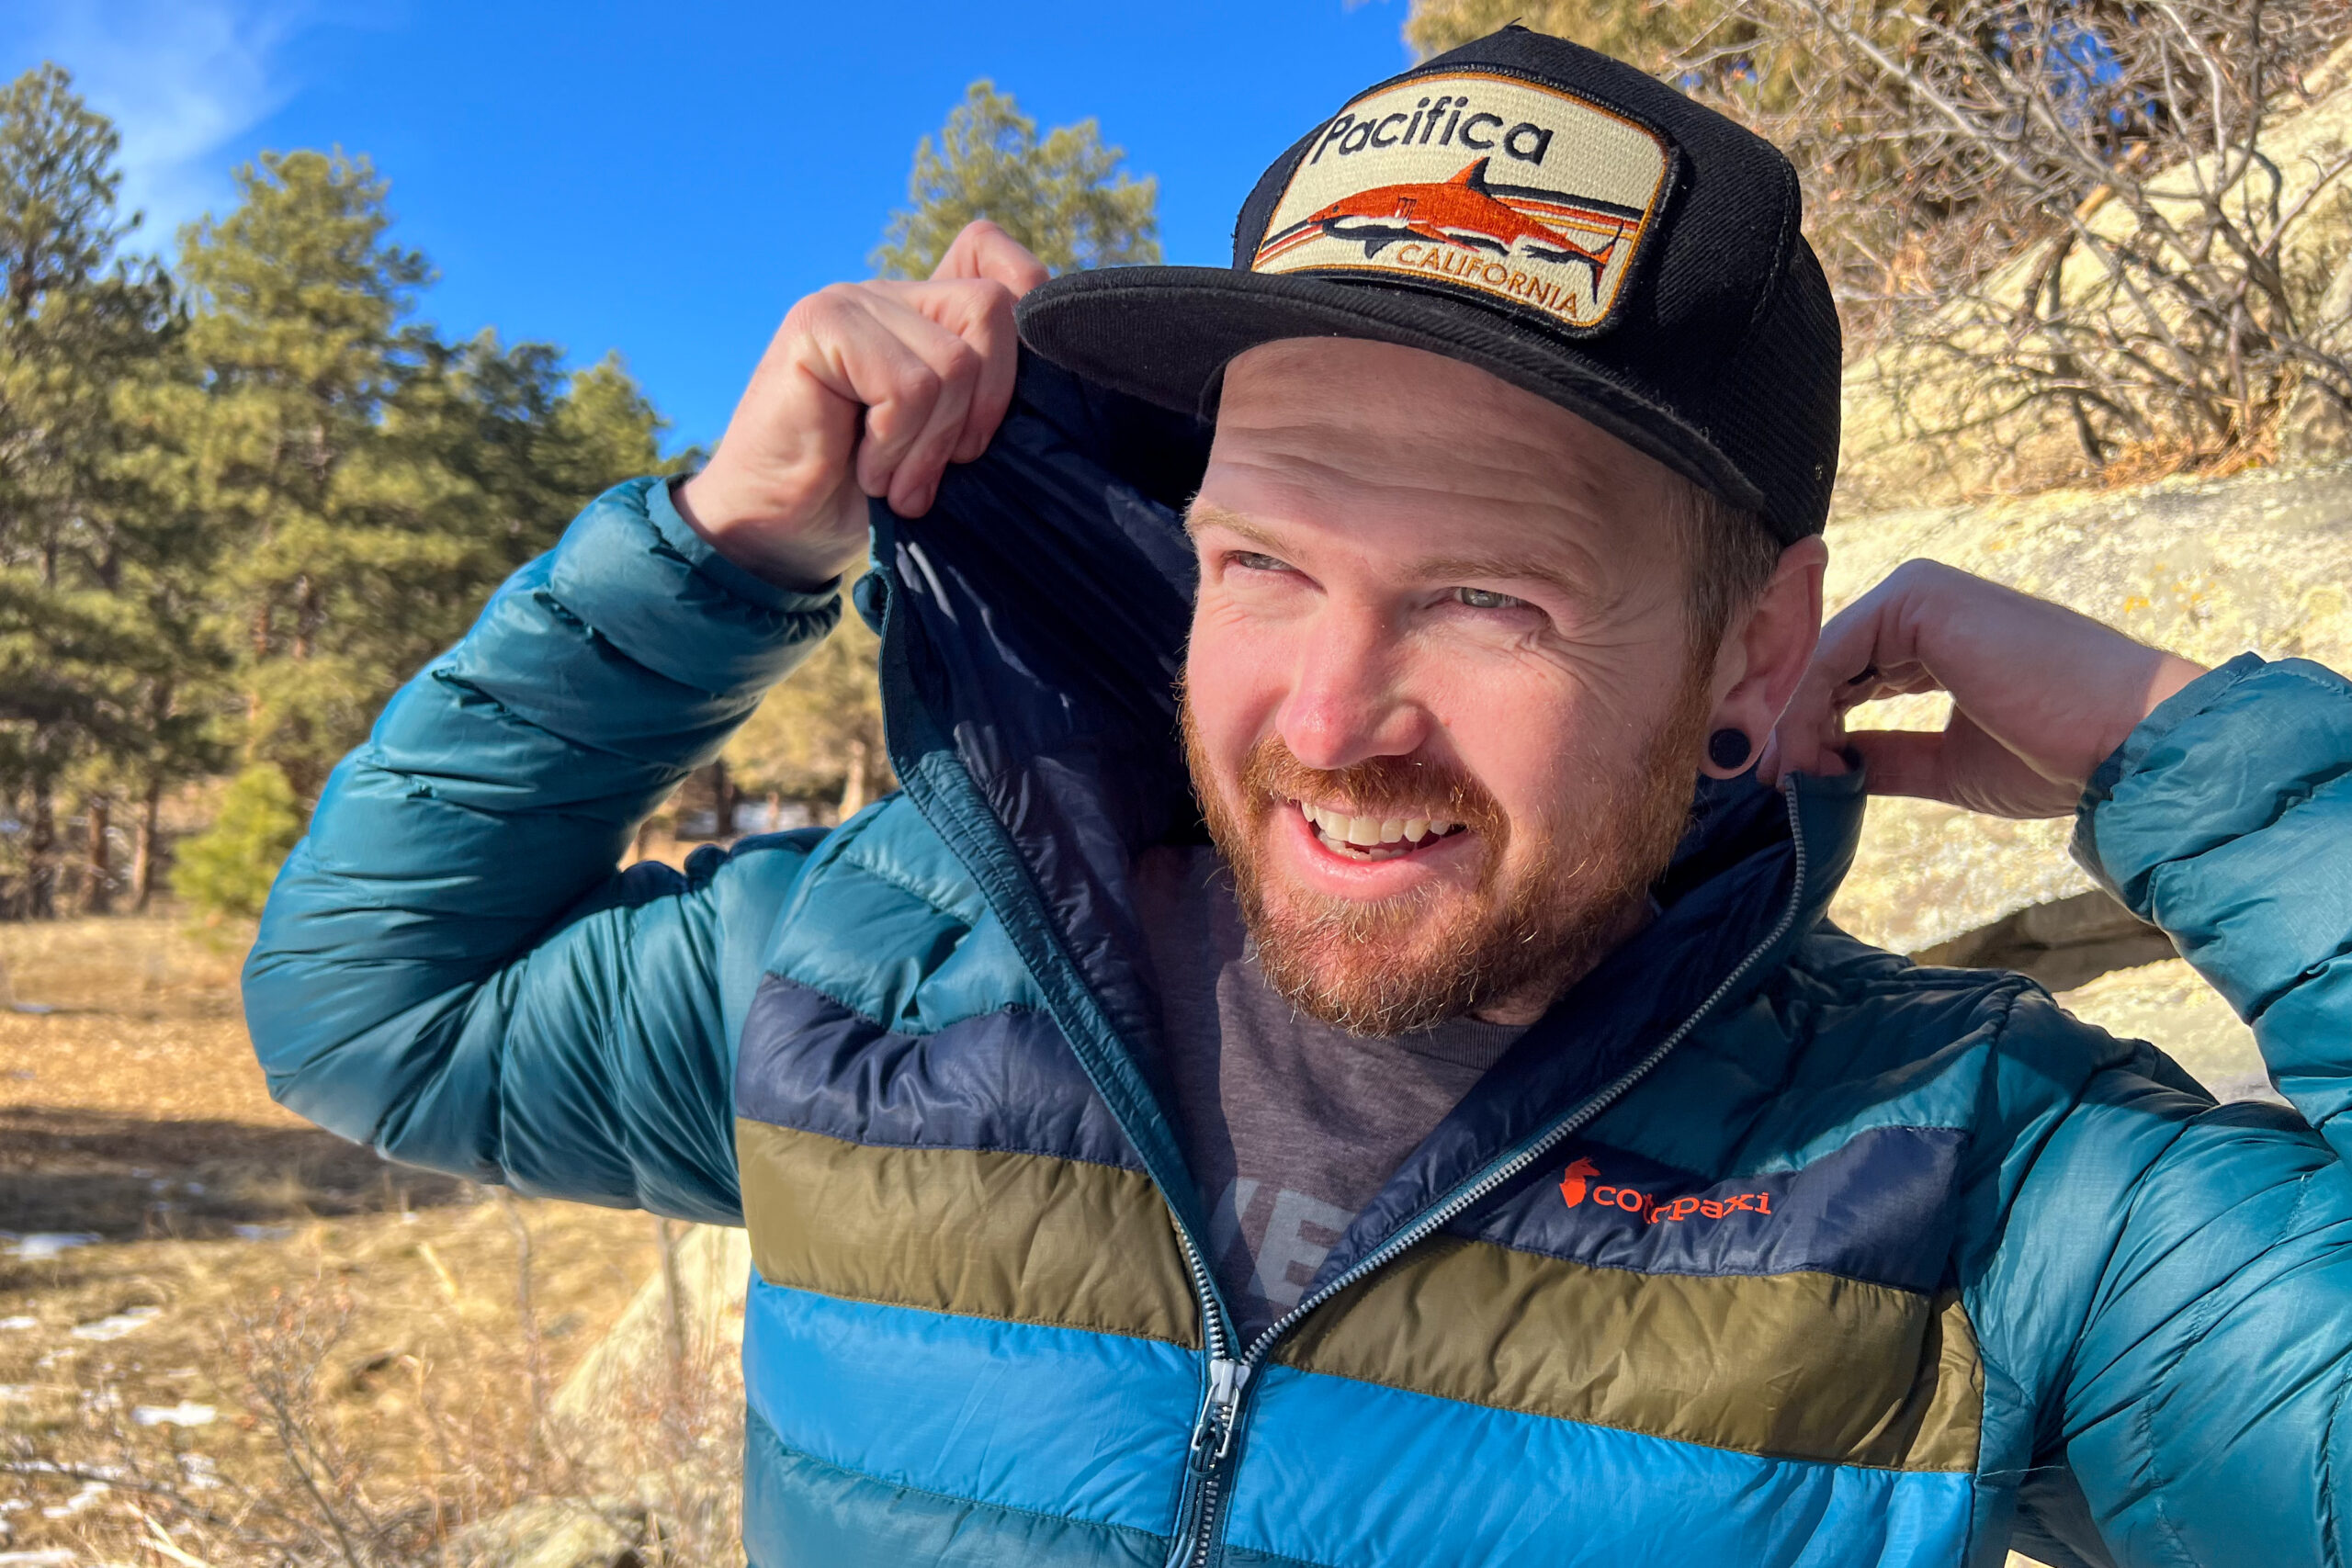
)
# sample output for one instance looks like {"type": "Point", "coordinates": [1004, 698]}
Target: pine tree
{"type": "Point", "coordinates": [228, 868]}
{"type": "Point", "coordinates": [1064, 197]}
{"type": "Point", "coordinates": [91, 641]}
{"type": "Point", "coordinates": [332, 555]}
{"type": "Point", "coordinates": [817, 737]}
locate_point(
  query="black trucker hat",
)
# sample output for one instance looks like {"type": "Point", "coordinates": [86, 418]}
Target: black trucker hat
{"type": "Point", "coordinates": [1540, 211]}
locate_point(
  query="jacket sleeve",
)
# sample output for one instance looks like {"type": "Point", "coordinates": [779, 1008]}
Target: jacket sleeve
{"type": "Point", "coordinates": [2179, 1279]}
{"type": "Point", "coordinates": [450, 967]}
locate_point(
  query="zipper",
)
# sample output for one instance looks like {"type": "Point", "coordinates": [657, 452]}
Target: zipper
{"type": "Point", "coordinates": [948, 799]}
{"type": "Point", "coordinates": [1212, 1428]}
{"type": "Point", "coordinates": [1208, 1460]}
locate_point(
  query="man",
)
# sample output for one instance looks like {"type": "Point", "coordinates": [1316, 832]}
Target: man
{"type": "Point", "coordinates": [1374, 1111]}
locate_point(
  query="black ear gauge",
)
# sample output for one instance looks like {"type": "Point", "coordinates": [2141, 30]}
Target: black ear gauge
{"type": "Point", "coordinates": [1729, 750]}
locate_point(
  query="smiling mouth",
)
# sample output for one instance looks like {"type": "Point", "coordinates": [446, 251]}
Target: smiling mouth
{"type": "Point", "coordinates": [1373, 838]}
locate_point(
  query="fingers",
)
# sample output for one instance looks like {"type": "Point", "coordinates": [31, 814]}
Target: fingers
{"type": "Point", "coordinates": [1867, 651]}
{"type": "Point", "coordinates": [932, 365]}
{"type": "Point", "coordinates": [985, 251]}
{"type": "Point", "coordinates": [898, 367]}
{"type": "Point", "coordinates": [1902, 761]}
{"type": "Point", "coordinates": [983, 318]}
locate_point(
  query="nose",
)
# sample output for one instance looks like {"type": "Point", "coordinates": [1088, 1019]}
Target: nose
{"type": "Point", "coordinates": [1346, 702]}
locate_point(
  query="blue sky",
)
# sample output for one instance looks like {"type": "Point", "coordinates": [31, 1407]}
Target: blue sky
{"type": "Point", "coordinates": [667, 179]}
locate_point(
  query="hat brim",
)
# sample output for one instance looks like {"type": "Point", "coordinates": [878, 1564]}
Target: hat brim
{"type": "Point", "coordinates": [1166, 334]}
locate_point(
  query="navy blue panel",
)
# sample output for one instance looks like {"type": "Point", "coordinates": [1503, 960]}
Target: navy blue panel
{"type": "Point", "coordinates": [1879, 1208]}
{"type": "Point", "coordinates": [799, 1512]}
{"type": "Point", "coordinates": [1003, 1080]}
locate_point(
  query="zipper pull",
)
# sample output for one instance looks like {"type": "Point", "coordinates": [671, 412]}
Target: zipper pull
{"type": "Point", "coordinates": [1213, 1437]}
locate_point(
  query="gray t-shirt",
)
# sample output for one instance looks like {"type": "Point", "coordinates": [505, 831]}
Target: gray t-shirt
{"type": "Point", "coordinates": [1290, 1126]}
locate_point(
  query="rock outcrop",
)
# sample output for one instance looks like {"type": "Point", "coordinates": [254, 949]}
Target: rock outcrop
{"type": "Point", "coordinates": [2167, 1004]}
{"type": "Point", "coordinates": [2209, 569]}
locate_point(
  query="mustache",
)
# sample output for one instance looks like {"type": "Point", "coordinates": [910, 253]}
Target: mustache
{"type": "Point", "coordinates": [1377, 787]}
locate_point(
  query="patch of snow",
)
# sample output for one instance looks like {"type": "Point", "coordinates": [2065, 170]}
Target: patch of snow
{"type": "Point", "coordinates": [39, 1246]}
{"type": "Point", "coordinates": [91, 1491]}
{"type": "Point", "coordinates": [20, 1321]}
{"type": "Point", "coordinates": [261, 1233]}
{"type": "Point", "coordinates": [128, 1321]}
{"type": "Point", "coordinates": [47, 1557]}
{"type": "Point", "coordinates": [185, 1414]}
{"type": "Point", "coordinates": [16, 1393]}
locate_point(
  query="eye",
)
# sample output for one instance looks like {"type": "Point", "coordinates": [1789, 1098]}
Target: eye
{"type": "Point", "coordinates": [1251, 560]}
{"type": "Point", "coordinates": [1483, 599]}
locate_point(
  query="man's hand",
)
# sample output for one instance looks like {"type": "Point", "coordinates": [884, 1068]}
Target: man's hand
{"type": "Point", "coordinates": [868, 389]}
{"type": "Point", "coordinates": [2040, 696]}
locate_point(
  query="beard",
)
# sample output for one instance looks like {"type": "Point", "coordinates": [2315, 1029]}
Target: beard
{"type": "Point", "coordinates": [1396, 966]}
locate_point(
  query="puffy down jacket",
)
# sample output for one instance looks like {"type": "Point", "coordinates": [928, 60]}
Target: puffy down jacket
{"type": "Point", "coordinates": [1764, 1248]}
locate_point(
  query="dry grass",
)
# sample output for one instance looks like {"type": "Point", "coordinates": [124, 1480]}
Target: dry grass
{"type": "Point", "coordinates": [136, 1109]}
{"type": "Point", "coordinates": [253, 1342]}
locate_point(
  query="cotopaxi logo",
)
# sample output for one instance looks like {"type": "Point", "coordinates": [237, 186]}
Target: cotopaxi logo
{"type": "Point", "coordinates": [1577, 1181]}
{"type": "Point", "coordinates": [1477, 181]}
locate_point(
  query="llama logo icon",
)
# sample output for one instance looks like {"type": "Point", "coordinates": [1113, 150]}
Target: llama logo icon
{"type": "Point", "coordinates": [1572, 1184]}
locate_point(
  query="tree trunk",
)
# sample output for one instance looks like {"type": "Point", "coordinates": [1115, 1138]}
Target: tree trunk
{"type": "Point", "coordinates": [40, 856]}
{"type": "Point", "coordinates": [853, 783]}
{"type": "Point", "coordinates": [143, 847]}
{"type": "Point", "coordinates": [307, 616]}
{"type": "Point", "coordinates": [723, 798]}
{"type": "Point", "coordinates": [97, 861]}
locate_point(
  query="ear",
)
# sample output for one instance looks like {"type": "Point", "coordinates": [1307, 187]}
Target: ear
{"type": "Point", "coordinates": [1764, 653]}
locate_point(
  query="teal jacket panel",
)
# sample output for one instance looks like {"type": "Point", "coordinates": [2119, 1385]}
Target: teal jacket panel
{"type": "Point", "coordinates": [449, 968]}
{"type": "Point", "coordinates": [2178, 1275]}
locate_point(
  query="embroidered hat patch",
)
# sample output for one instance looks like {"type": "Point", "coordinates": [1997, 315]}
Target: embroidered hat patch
{"type": "Point", "coordinates": [1477, 181]}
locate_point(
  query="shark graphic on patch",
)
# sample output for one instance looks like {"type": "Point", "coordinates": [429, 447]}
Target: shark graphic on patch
{"type": "Point", "coordinates": [1477, 181]}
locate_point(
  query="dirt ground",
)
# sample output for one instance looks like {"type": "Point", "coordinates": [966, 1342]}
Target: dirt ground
{"type": "Point", "coordinates": [226, 1334]}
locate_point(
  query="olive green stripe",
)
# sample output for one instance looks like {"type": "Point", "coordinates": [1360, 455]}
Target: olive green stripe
{"type": "Point", "coordinates": [1795, 1366]}
{"type": "Point", "coordinates": [1028, 1238]}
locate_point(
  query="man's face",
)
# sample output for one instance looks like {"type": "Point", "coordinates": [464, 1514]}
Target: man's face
{"type": "Point", "coordinates": [1441, 706]}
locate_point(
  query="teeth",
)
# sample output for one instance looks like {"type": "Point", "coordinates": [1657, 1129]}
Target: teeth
{"type": "Point", "coordinates": [1342, 830]}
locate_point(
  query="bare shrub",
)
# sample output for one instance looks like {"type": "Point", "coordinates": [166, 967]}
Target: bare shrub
{"type": "Point", "coordinates": [653, 1482]}
{"type": "Point", "coordinates": [2073, 210]}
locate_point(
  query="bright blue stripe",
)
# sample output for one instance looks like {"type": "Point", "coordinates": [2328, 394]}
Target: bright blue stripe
{"type": "Point", "coordinates": [1057, 1420]}
{"type": "Point", "coordinates": [1340, 1472]}
{"type": "Point", "coordinates": [799, 1511]}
